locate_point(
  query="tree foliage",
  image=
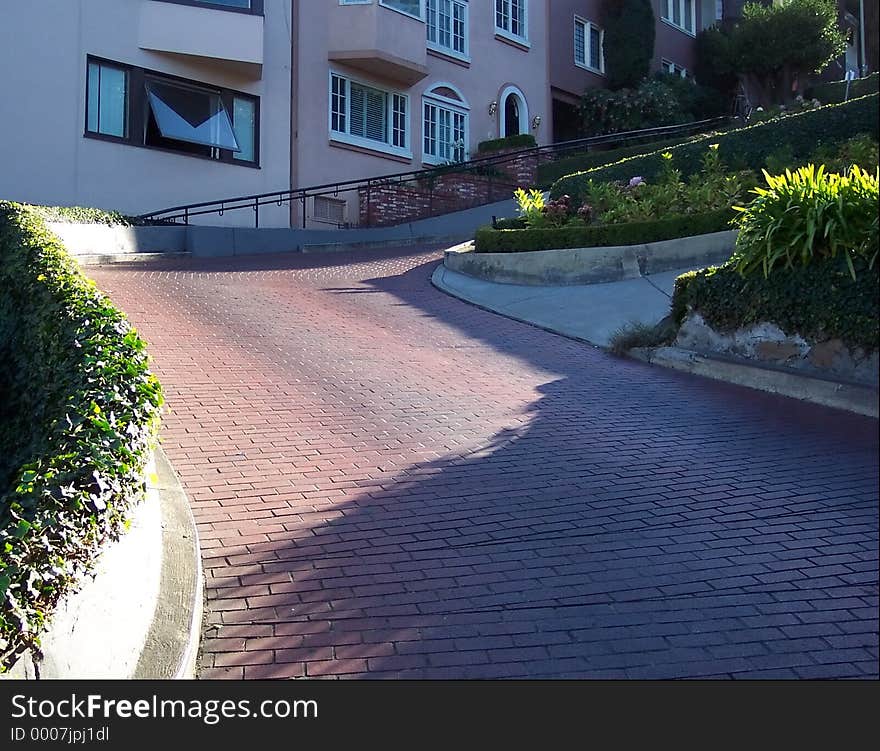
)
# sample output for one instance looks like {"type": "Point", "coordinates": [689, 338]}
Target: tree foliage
{"type": "Point", "coordinates": [629, 41]}
{"type": "Point", "coordinates": [774, 48]}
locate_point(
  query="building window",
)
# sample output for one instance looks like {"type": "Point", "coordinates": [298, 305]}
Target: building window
{"type": "Point", "coordinates": [588, 50]}
{"type": "Point", "coordinates": [680, 13]}
{"type": "Point", "coordinates": [240, 6]}
{"type": "Point", "coordinates": [144, 108]}
{"type": "Point", "coordinates": [444, 127]}
{"type": "Point", "coordinates": [447, 25]}
{"type": "Point", "coordinates": [367, 116]}
{"type": "Point", "coordinates": [410, 7]}
{"type": "Point", "coordinates": [511, 17]}
{"type": "Point", "coordinates": [667, 66]}
{"type": "Point", "coordinates": [107, 100]}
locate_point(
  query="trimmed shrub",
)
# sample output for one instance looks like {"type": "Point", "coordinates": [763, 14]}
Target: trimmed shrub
{"type": "Point", "coordinates": [808, 215]}
{"type": "Point", "coordinates": [834, 91]}
{"type": "Point", "coordinates": [84, 215]}
{"type": "Point", "coordinates": [77, 427]}
{"type": "Point", "coordinates": [490, 240]}
{"type": "Point", "coordinates": [549, 172]}
{"type": "Point", "coordinates": [820, 301]}
{"type": "Point", "coordinates": [521, 141]}
{"type": "Point", "coordinates": [629, 41]}
{"type": "Point", "coordinates": [743, 148]}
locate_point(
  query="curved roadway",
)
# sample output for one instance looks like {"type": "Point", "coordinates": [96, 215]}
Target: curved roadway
{"type": "Point", "coordinates": [389, 482]}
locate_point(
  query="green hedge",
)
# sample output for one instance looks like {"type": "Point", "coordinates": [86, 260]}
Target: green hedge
{"type": "Point", "coordinates": [744, 148]}
{"type": "Point", "coordinates": [84, 215]}
{"type": "Point", "coordinates": [549, 172]}
{"type": "Point", "coordinates": [820, 301]}
{"type": "Point", "coordinates": [490, 240]}
{"type": "Point", "coordinates": [76, 429]}
{"type": "Point", "coordinates": [835, 91]}
{"type": "Point", "coordinates": [521, 141]}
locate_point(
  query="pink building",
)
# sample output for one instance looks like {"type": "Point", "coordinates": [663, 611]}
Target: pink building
{"type": "Point", "coordinates": [385, 86]}
{"type": "Point", "coordinates": [577, 49]}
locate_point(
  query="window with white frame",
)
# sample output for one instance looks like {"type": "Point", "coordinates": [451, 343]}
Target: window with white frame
{"type": "Point", "coordinates": [667, 66]}
{"type": "Point", "coordinates": [588, 41]}
{"type": "Point", "coordinates": [367, 116]}
{"type": "Point", "coordinates": [511, 17]}
{"type": "Point", "coordinates": [447, 22]}
{"type": "Point", "coordinates": [410, 7]}
{"type": "Point", "coordinates": [680, 13]}
{"type": "Point", "coordinates": [444, 127]}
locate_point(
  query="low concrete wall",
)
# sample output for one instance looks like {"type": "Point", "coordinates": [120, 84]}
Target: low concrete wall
{"type": "Point", "coordinates": [100, 243]}
{"type": "Point", "coordinates": [852, 397]}
{"type": "Point", "coordinates": [101, 239]}
{"type": "Point", "coordinates": [139, 615]}
{"type": "Point", "coordinates": [593, 265]}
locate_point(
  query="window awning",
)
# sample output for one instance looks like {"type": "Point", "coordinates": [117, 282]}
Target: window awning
{"type": "Point", "coordinates": [192, 115]}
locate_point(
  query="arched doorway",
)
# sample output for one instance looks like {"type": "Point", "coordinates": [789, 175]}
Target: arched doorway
{"type": "Point", "coordinates": [514, 112]}
{"type": "Point", "coordinates": [511, 115]}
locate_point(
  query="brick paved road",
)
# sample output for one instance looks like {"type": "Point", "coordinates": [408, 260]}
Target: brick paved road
{"type": "Point", "coordinates": [388, 482]}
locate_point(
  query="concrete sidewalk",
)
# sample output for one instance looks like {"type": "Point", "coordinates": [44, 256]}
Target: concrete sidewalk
{"type": "Point", "coordinates": [590, 312]}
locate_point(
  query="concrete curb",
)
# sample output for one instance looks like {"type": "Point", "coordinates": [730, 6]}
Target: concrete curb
{"type": "Point", "coordinates": [172, 644]}
{"type": "Point", "coordinates": [139, 616]}
{"type": "Point", "coordinates": [579, 266]}
{"type": "Point", "coordinates": [851, 397]}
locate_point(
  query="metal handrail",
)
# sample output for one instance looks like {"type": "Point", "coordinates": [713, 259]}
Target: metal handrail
{"type": "Point", "coordinates": [184, 212]}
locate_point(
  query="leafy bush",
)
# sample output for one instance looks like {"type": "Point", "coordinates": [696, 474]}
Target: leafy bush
{"type": "Point", "coordinates": [713, 66]}
{"type": "Point", "coordinates": [712, 189]}
{"type": "Point", "coordinates": [808, 215]}
{"type": "Point", "coordinates": [490, 240]}
{"type": "Point", "coordinates": [742, 148]}
{"type": "Point", "coordinates": [775, 47]}
{"type": "Point", "coordinates": [530, 204]}
{"type": "Point", "coordinates": [84, 215]}
{"type": "Point", "coordinates": [834, 92]}
{"type": "Point", "coordinates": [521, 141]}
{"type": "Point", "coordinates": [861, 150]}
{"type": "Point", "coordinates": [549, 172]}
{"type": "Point", "coordinates": [820, 301]}
{"type": "Point", "coordinates": [629, 28]}
{"type": "Point", "coordinates": [651, 105]}
{"type": "Point", "coordinates": [78, 424]}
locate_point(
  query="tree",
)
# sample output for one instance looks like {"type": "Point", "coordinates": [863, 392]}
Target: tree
{"type": "Point", "coordinates": [775, 48]}
{"type": "Point", "coordinates": [629, 41]}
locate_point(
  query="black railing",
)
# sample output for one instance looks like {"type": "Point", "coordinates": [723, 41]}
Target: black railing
{"type": "Point", "coordinates": [487, 165]}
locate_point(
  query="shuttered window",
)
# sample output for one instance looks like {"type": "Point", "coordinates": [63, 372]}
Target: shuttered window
{"type": "Point", "coordinates": [367, 114]}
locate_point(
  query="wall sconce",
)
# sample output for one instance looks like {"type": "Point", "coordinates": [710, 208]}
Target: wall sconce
{"type": "Point", "coordinates": [536, 122]}
{"type": "Point", "coordinates": [493, 108]}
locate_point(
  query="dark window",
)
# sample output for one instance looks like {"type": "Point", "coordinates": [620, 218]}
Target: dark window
{"type": "Point", "coordinates": [145, 108]}
{"type": "Point", "coordinates": [107, 100]}
{"type": "Point", "coordinates": [511, 115]}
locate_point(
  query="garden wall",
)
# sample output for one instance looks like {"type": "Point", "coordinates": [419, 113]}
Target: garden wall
{"type": "Point", "coordinates": [382, 205]}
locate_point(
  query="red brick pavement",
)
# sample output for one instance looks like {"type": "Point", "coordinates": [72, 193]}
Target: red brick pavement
{"type": "Point", "coordinates": [390, 483]}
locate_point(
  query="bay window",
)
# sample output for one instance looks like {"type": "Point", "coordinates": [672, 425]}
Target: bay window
{"type": "Point", "coordinates": [446, 22]}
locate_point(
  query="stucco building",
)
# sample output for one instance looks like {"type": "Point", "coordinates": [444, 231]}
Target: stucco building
{"type": "Point", "coordinates": [137, 105]}
{"type": "Point", "coordinates": [577, 49]}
